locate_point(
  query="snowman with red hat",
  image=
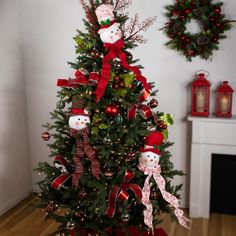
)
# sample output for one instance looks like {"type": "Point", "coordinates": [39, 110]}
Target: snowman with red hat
{"type": "Point", "coordinates": [149, 164]}
{"type": "Point", "coordinates": [111, 36]}
{"type": "Point", "coordinates": [78, 122]}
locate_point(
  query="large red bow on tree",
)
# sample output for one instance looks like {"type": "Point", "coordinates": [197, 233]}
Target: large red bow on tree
{"type": "Point", "coordinates": [114, 50]}
{"type": "Point", "coordinates": [120, 192]}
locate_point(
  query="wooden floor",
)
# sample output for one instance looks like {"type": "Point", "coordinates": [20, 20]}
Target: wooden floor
{"type": "Point", "coordinates": [22, 220]}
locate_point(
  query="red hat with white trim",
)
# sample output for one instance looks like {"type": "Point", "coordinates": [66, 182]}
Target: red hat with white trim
{"type": "Point", "coordinates": [152, 143]}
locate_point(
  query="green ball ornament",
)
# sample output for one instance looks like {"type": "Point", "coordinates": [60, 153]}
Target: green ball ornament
{"type": "Point", "coordinates": [119, 119]}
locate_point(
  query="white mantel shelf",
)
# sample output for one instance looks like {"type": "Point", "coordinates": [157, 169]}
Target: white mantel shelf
{"type": "Point", "coordinates": [209, 135]}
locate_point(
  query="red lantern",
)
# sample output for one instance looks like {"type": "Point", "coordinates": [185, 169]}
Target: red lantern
{"type": "Point", "coordinates": [224, 98]}
{"type": "Point", "coordinates": [200, 95]}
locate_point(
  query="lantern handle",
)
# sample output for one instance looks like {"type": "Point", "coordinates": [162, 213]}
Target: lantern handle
{"type": "Point", "coordinates": [202, 70]}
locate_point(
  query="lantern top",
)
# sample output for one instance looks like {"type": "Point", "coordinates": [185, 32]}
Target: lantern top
{"type": "Point", "coordinates": [201, 81]}
{"type": "Point", "coordinates": [225, 88]}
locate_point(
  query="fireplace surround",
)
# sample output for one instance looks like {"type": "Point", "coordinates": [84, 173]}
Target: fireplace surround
{"type": "Point", "coordinates": [209, 135]}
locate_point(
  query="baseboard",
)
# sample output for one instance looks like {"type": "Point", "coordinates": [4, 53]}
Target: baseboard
{"type": "Point", "coordinates": [13, 202]}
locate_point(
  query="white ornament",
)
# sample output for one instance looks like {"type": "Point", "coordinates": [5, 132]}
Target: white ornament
{"type": "Point", "coordinates": [110, 34]}
{"type": "Point", "coordinates": [79, 122]}
{"type": "Point", "coordinates": [149, 159]}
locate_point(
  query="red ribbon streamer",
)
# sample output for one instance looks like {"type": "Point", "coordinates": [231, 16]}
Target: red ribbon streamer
{"type": "Point", "coordinates": [79, 80]}
{"type": "Point", "coordinates": [144, 110]}
{"type": "Point", "coordinates": [121, 193]}
{"type": "Point", "coordinates": [61, 179]}
{"type": "Point", "coordinates": [114, 50]}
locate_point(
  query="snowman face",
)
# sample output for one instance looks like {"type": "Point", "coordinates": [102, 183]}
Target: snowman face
{"type": "Point", "coordinates": [149, 159]}
{"type": "Point", "coordinates": [79, 122]}
{"type": "Point", "coordinates": [111, 34]}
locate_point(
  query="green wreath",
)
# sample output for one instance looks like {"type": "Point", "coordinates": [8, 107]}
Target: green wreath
{"type": "Point", "coordinates": [212, 22]}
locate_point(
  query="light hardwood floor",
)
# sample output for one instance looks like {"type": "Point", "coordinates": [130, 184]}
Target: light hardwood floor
{"type": "Point", "coordinates": [22, 220]}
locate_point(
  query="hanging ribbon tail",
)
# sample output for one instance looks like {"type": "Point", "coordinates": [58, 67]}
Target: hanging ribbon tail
{"type": "Point", "coordinates": [160, 181]}
{"type": "Point", "coordinates": [78, 172]}
{"type": "Point", "coordinates": [182, 219]}
{"type": "Point", "coordinates": [60, 180]}
{"type": "Point", "coordinates": [102, 84]}
{"type": "Point", "coordinates": [148, 217]}
{"type": "Point", "coordinates": [72, 232]}
{"type": "Point", "coordinates": [112, 201]}
{"type": "Point", "coordinates": [95, 167]}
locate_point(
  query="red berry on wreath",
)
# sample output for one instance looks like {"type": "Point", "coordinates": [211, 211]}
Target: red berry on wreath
{"type": "Point", "coordinates": [215, 39]}
{"type": "Point", "coordinates": [112, 110]}
{"type": "Point", "coordinates": [217, 10]}
{"type": "Point", "coordinates": [46, 136]}
{"type": "Point", "coordinates": [187, 11]}
{"type": "Point", "coordinates": [218, 24]}
{"type": "Point", "coordinates": [181, 16]}
{"type": "Point", "coordinates": [211, 19]}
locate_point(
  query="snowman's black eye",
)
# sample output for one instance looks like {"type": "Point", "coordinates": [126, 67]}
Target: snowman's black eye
{"type": "Point", "coordinates": [112, 31]}
{"type": "Point", "coordinates": [117, 30]}
{"type": "Point", "coordinates": [78, 118]}
{"type": "Point", "coordinates": [148, 156]}
{"type": "Point", "coordinates": [85, 119]}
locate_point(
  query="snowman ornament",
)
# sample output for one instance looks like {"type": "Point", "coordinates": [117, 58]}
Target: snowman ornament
{"type": "Point", "coordinates": [150, 154]}
{"type": "Point", "coordinates": [149, 165]}
{"type": "Point", "coordinates": [109, 30]}
{"type": "Point", "coordinates": [78, 122]}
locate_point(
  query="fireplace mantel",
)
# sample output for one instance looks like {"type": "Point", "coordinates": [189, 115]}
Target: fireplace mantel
{"type": "Point", "coordinates": [209, 135]}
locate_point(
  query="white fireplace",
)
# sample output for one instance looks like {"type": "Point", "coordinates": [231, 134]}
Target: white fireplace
{"type": "Point", "coordinates": [209, 135]}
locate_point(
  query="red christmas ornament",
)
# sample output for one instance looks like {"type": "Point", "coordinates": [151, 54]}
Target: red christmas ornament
{"type": "Point", "coordinates": [112, 110]}
{"type": "Point", "coordinates": [153, 103]}
{"type": "Point", "coordinates": [46, 136]}
{"type": "Point", "coordinates": [217, 10]}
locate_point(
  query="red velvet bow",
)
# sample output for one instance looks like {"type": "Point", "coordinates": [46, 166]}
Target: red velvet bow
{"type": "Point", "coordinates": [121, 193]}
{"type": "Point", "coordinates": [114, 50]}
{"type": "Point", "coordinates": [79, 80]}
{"type": "Point", "coordinates": [61, 179]}
{"type": "Point", "coordinates": [144, 110]}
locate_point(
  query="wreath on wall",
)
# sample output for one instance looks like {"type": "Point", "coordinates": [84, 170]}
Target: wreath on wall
{"type": "Point", "coordinates": [211, 21]}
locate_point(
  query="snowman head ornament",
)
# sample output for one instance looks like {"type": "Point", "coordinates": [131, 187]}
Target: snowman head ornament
{"type": "Point", "coordinates": [79, 116]}
{"type": "Point", "coordinates": [150, 154]}
{"type": "Point", "coordinates": [109, 30]}
{"type": "Point", "coordinates": [79, 119]}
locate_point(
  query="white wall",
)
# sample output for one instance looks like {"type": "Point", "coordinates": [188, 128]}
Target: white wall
{"type": "Point", "coordinates": [49, 26]}
{"type": "Point", "coordinates": [15, 176]}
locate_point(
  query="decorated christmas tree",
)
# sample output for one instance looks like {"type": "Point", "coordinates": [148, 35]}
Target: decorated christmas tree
{"type": "Point", "coordinates": [112, 171]}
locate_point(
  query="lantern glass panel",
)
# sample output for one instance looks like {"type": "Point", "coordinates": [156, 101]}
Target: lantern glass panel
{"type": "Point", "coordinates": [201, 99]}
{"type": "Point", "coordinates": [224, 102]}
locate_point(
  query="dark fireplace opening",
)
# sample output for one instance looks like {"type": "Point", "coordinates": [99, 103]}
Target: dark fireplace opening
{"type": "Point", "coordinates": [223, 184]}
